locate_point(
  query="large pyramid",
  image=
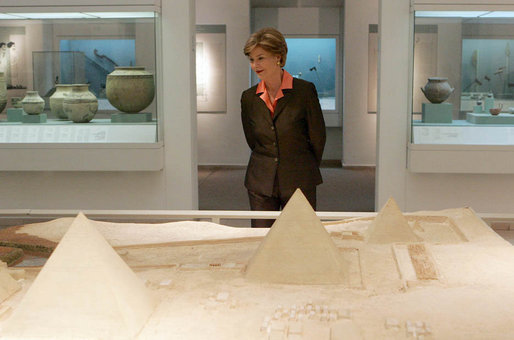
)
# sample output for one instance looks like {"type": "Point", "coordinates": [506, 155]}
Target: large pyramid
{"type": "Point", "coordinates": [297, 249]}
{"type": "Point", "coordinates": [84, 291]}
{"type": "Point", "coordinates": [8, 285]}
{"type": "Point", "coordinates": [391, 226]}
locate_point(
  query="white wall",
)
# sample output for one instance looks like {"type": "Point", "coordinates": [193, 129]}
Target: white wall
{"type": "Point", "coordinates": [419, 191]}
{"type": "Point", "coordinates": [220, 135]}
{"type": "Point", "coordinates": [359, 127]}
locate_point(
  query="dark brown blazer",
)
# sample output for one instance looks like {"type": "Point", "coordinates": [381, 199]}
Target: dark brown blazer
{"type": "Point", "coordinates": [289, 145]}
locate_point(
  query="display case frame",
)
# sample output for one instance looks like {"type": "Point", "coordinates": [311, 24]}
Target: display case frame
{"type": "Point", "coordinates": [99, 156]}
{"type": "Point", "coordinates": [452, 151]}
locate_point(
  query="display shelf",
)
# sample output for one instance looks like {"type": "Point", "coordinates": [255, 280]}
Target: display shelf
{"type": "Point", "coordinates": [96, 131]}
{"type": "Point", "coordinates": [462, 132]}
{"type": "Point", "coordinates": [462, 159]}
{"type": "Point", "coordinates": [81, 156]}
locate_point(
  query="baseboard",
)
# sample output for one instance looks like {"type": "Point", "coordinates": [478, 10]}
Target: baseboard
{"type": "Point", "coordinates": [220, 166]}
{"type": "Point", "coordinates": [358, 166]}
{"type": "Point", "coordinates": [331, 163]}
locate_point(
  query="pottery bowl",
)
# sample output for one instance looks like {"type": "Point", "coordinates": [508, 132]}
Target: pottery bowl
{"type": "Point", "coordinates": [495, 111]}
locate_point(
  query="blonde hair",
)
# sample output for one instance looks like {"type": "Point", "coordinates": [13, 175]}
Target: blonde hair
{"type": "Point", "coordinates": [270, 40]}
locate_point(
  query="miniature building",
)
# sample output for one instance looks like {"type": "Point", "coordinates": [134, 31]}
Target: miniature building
{"type": "Point", "coordinates": [391, 226]}
{"type": "Point", "coordinates": [297, 249]}
{"type": "Point", "coordinates": [84, 290]}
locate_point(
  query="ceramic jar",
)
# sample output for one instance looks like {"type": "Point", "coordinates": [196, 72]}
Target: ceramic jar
{"type": "Point", "coordinates": [56, 100]}
{"type": "Point", "coordinates": [130, 89]}
{"type": "Point", "coordinates": [80, 105]}
{"type": "Point", "coordinates": [32, 103]}
{"type": "Point", "coordinates": [3, 92]}
{"type": "Point", "coordinates": [437, 89]}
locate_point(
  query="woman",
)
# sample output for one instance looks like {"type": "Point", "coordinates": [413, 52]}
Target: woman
{"type": "Point", "coordinates": [284, 128]}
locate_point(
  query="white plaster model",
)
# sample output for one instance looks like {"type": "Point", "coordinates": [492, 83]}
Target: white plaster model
{"type": "Point", "coordinates": [297, 249]}
{"type": "Point", "coordinates": [209, 297]}
{"type": "Point", "coordinates": [391, 226]}
{"type": "Point", "coordinates": [84, 291]}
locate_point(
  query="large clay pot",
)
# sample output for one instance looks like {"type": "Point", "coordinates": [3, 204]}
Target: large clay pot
{"type": "Point", "coordinates": [80, 105]}
{"type": "Point", "coordinates": [437, 89]}
{"type": "Point", "coordinates": [130, 89]}
{"type": "Point", "coordinates": [33, 104]}
{"type": "Point", "coordinates": [3, 92]}
{"type": "Point", "coordinates": [56, 100]}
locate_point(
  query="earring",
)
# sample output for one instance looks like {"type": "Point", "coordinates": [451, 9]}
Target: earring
{"type": "Point", "coordinates": [278, 62]}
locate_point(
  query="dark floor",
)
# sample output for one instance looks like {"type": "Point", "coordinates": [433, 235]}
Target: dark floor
{"type": "Point", "coordinates": [222, 188]}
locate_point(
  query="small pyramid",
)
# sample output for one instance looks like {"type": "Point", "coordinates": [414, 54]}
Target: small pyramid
{"type": "Point", "coordinates": [8, 285]}
{"type": "Point", "coordinates": [391, 226]}
{"type": "Point", "coordinates": [85, 290]}
{"type": "Point", "coordinates": [297, 249]}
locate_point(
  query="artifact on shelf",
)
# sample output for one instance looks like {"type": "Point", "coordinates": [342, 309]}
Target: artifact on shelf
{"type": "Point", "coordinates": [298, 249]}
{"type": "Point", "coordinates": [16, 102]}
{"type": "Point", "coordinates": [3, 92]}
{"type": "Point", "coordinates": [130, 89]}
{"type": "Point", "coordinates": [85, 290]}
{"type": "Point", "coordinates": [489, 102]}
{"type": "Point", "coordinates": [496, 111]}
{"type": "Point", "coordinates": [80, 105]}
{"type": "Point", "coordinates": [33, 104]}
{"type": "Point", "coordinates": [437, 89]}
{"type": "Point", "coordinates": [56, 100]}
{"type": "Point", "coordinates": [391, 226]}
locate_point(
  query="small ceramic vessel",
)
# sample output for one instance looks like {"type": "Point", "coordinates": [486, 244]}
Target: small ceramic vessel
{"type": "Point", "coordinates": [33, 104]}
{"type": "Point", "coordinates": [80, 105]}
{"type": "Point", "coordinates": [437, 89]}
{"type": "Point", "coordinates": [56, 100]}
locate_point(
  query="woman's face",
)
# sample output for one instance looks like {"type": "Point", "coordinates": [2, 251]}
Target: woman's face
{"type": "Point", "coordinates": [263, 63]}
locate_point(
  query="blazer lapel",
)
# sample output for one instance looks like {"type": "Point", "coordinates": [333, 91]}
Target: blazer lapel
{"type": "Point", "coordinates": [263, 109]}
{"type": "Point", "coordinates": [282, 102]}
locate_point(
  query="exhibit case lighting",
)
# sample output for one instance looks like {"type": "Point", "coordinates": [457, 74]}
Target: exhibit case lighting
{"type": "Point", "coordinates": [75, 15]}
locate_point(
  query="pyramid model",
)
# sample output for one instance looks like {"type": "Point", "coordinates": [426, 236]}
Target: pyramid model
{"type": "Point", "coordinates": [297, 249]}
{"type": "Point", "coordinates": [8, 285]}
{"type": "Point", "coordinates": [85, 290]}
{"type": "Point", "coordinates": [391, 226]}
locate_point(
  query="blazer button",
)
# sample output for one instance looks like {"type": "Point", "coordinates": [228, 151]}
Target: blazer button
{"type": "Point", "coordinates": [276, 159]}
{"type": "Point", "coordinates": [272, 127]}
{"type": "Point", "coordinates": [274, 144]}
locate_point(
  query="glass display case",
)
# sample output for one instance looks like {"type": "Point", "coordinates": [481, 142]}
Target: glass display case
{"type": "Point", "coordinates": [463, 78]}
{"type": "Point", "coordinates": [111, 54]}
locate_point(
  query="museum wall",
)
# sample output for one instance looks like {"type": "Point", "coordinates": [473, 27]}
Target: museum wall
{"type": "Point", "coordinates": [359, 126]}
{"type": "Point", "coordinates": [220, 135]}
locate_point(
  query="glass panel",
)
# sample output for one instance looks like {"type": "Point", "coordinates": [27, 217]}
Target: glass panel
{"type": "Point", "coordinates": [314, 59]}
{"type": "Point", "coordinates": [463, 81]}
{"type": "Point", "coordinates": [38, 55]}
